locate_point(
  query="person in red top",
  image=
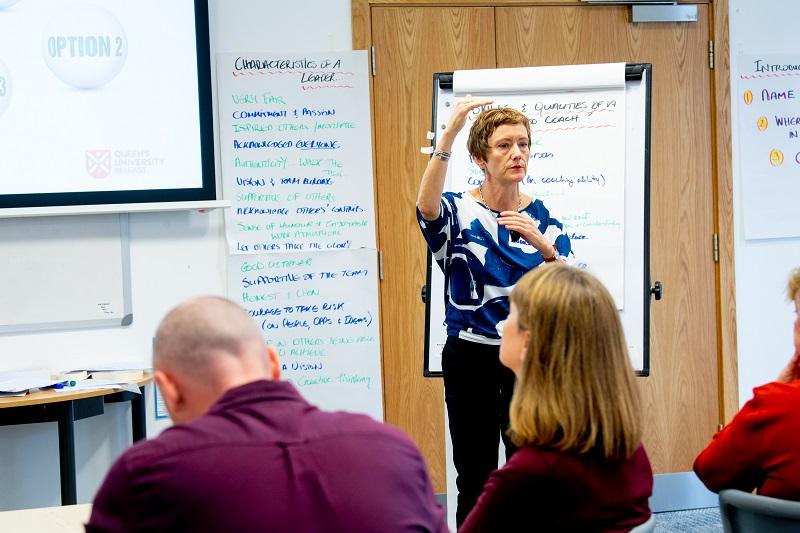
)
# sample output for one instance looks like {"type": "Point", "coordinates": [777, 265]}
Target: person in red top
{"type": "Point", "coordinates": [575, 414]}
{"type": "Point", "coordinates": [760, 448]}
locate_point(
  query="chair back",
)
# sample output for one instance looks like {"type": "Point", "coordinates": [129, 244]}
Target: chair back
{"type": "Point", "coordinates": [742, 512]}
{"type": "Point", "coordinates": [647, 527]}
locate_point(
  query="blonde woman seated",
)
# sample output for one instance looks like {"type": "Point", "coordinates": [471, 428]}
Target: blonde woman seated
{"type": "Point", "coordinates": [575, 414]}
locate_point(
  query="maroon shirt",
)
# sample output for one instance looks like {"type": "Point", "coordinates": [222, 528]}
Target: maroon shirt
{"type": "Point", "coordinates": [263, 459]}
{"type": "Point", "coordinates": [540, 489]}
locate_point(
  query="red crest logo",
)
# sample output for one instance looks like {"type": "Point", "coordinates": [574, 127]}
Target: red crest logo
{"type": "Point", "coordinates": [98, 163]}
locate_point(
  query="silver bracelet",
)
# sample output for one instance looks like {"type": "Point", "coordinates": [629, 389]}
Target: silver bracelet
{"type": "Point", "coordinates": [444, 156]}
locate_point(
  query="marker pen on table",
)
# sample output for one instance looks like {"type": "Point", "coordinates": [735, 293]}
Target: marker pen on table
{"type": "Point", "coordinates": [63, 384]}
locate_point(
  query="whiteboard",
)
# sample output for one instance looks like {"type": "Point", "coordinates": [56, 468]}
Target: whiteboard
{"type": "Point", "coordinates": [64, 272]}
{"type": "Point", "coordinates": [632, 293]}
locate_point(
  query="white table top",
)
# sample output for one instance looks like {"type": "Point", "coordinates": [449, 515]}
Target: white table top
{"type": "Point", "coordinates": [64, 519]}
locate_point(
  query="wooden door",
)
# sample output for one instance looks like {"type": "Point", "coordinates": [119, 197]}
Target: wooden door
{"type": "Point", "coordinates": [681, 396]}
{"type": "Point", "coordinates": [681, 405]}
{"type": "Point", "coordinates": [410, 45]}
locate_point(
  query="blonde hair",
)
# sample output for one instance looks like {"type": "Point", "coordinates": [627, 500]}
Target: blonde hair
{"type": "Point", "coordinates": [793, 287]}
{"type": "Point", "coordinates": [576, 390]}
{"type": "Point", "coordinates": [489, 120]}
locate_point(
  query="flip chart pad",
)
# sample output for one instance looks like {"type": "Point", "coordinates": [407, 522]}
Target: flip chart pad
{"type": "Point", "coordinates": [589, 164]}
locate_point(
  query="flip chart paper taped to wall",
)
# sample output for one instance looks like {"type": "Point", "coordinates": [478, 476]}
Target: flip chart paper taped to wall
{"type": "Point", "coordinates": [296, 151]}
{"type": "Point", "coordinates": [769, 144]}
{"type": "Point", "coordinates": [321, 313]}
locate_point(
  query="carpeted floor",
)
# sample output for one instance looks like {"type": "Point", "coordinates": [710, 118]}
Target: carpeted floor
{"type": "Point", "coordinates": [694, 521]}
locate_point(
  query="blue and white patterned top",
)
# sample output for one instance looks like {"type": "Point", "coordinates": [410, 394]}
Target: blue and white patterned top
{"type": "Point", "coordinates": [481, 262]}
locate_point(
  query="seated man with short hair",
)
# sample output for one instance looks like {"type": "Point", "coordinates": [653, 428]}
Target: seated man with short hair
{"type": "Point", "coordinates": [248, 453]}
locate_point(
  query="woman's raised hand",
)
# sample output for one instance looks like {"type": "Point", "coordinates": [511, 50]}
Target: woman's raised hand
{"type": "Point", "coordinates": [462, 109]}
{"type": "Point", "coordinates": [432, 184]}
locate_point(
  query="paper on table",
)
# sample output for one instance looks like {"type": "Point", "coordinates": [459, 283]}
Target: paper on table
{"type": "Point", "coordinates": [23, 380]}
{"type": "Point", "coordinates": [100, 384]}
{"type": "Point", "coordinates": [13, 394]}
{"type": "Point", "coordinates": [122, 365]}
{"type": "Point", "coordinates": [69, 375]}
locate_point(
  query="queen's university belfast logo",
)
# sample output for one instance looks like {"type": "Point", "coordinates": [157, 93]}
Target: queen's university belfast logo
{"type": "Point", "coordinates": [98, 163]}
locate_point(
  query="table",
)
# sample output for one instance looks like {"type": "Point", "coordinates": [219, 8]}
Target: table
{"type": "Point", "coordinates": [64, 519]}
{"type": "Point", "coordinates": [65, 408]}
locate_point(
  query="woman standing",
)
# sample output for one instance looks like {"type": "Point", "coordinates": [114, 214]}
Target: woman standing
{"type": "Point", "coordinates": [484, 240]}
{"type": "Point", "coordinates": [575, 414]}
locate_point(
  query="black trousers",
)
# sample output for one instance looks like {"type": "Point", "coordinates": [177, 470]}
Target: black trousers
{"type": "Point", "coordinates": [477, 391]}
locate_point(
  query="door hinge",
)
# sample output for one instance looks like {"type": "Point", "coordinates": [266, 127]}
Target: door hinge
{"type": "Point", "coordinates": [380, 264]}
{"type": "Point", "coordinates": [711, 54]}
{"type": "Point", "coordinates": [372, 57]}
{"type": "Point", "coordinates": [716, 248]}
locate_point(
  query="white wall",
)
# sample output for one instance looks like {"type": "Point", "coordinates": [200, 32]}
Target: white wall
{"type": "Point", "coordinates": [173, 256]}
{"type": "Point", "coordinates": [764, 316]}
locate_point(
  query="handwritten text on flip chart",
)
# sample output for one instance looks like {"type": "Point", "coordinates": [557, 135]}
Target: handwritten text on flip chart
{"type": "Point", "coordinates": [768, 101]}
{"type": "Point", "coordinates": [576, 167]}
{"type": "Point", "coordinates": [296, 152]}
{"type": "Point", "coordinates": [320, 310]}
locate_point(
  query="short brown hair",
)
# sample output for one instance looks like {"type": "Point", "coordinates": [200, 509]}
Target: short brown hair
{"type": "Point", "coordinates": [486, 122]}
{"type": "Point", "coordinates": [576, 391]}
{"type": "Point", "coordinates": [793, 287]}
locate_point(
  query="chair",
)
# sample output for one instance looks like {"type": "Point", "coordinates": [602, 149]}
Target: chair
{"type": "Point", "coordinates": [647, 527]}
{"type": "Point", "coordinates": [743, 512]}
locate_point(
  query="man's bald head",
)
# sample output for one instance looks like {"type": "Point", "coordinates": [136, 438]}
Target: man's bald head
{"type": "Point", "coordinates": [206, 338]}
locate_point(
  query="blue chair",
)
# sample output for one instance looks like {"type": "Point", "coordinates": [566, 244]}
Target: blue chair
{"type": "Point", "coordinates": [742, 512]}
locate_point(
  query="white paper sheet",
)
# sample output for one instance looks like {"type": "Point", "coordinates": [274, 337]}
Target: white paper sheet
{"type": "Point", "coordinates": [320, 310]}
